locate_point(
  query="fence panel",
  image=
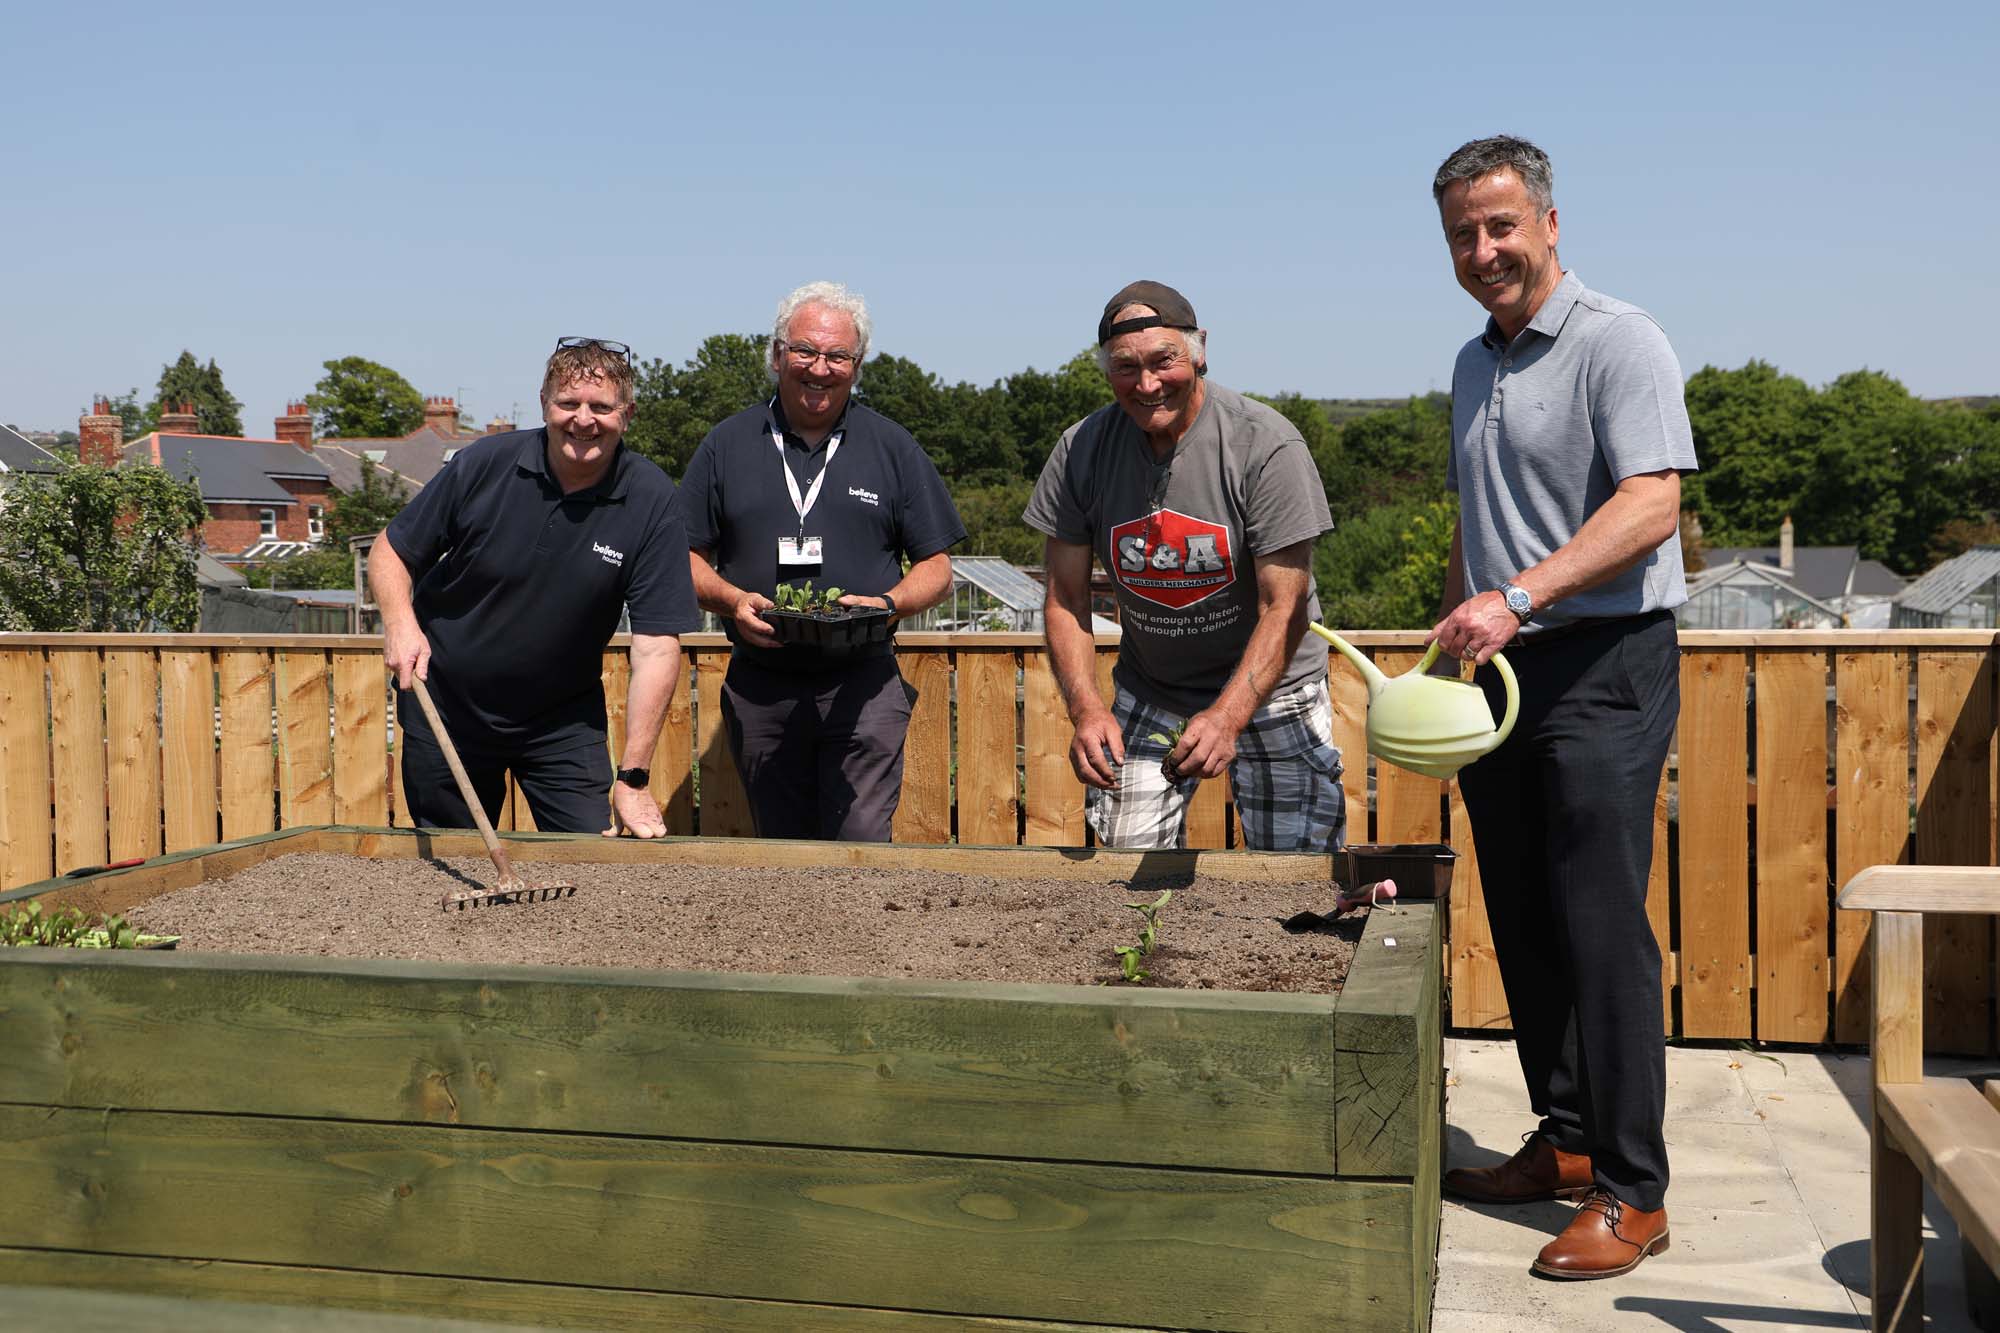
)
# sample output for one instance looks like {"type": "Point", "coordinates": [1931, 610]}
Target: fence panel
{"type": "Point", "coordinates": [305, 737]}
{"type": "Point", "coordinates": [187, 748]}
{"type": "Point", "coordinates": [1715, 853]}
{"type": "Point", "coordinates": [247, 756]}
{"type": "Point", "coordinates": [924, 812]}
{"type": "Point", "coordinates": [123, 745]}
{"type": "Point", "coordinates": [27, 823]}
{"type": "Point", "coordinates": [76, 713]}
{"type": "Point", "coordinates": [1794, 898]}
{"type": "Point", "coordinates": [989, 786]}
{"type": "Point", "coordinates": [1954, 827]}
{"type": "Point", "coordinates": [132, 744]}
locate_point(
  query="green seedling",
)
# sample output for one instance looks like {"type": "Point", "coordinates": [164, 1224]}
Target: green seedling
{"type": "Point", "coordinates": [68, 928]}
{"type": "Point", "coordinates": [1131, 957]}
{"type": "Point", "coordinates": [1168, 738]}
{"type": "Point", "coordinates": [804, 598]}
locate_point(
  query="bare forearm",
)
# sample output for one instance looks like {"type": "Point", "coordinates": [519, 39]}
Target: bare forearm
{"type": "Point", "coordinates": [656, 665]}
{"type": "Point", "coordinates": [1072, 655]}
{"type": "Point", "coordinates": [389, 578]}
{"type": "Point", "coordinates": [712, 591]}
{"type": "Point", "coordinates": [1281, 624]}
{"type": "Point", "coordinates": [924, 585]}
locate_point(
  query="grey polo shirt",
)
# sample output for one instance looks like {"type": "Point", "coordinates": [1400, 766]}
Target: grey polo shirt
{"type": "Point", "coordinates": [1543, 430]}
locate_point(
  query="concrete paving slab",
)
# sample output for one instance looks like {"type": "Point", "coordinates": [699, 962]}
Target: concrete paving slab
{"type": "Point", "coordinates": [1804, 1071]}
{"type": "Point", "coordinates": [1706, 1085]}
{"type": "Point", "coordinates": [1485, 1076]}
{"type": "Point", "coordinates": [1725, 1165]}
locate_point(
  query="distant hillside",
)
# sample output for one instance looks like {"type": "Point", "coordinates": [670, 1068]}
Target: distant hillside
{"type": "Point", "coordinates": [1343, 410]}
{"type": "Point", "coordinates": [1978, 402]}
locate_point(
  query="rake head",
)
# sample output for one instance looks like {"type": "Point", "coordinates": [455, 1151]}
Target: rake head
{"type": "Point", "coordinates": [508, 893]}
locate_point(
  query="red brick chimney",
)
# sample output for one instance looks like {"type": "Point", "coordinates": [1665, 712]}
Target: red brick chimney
{"type": "Point", "coordinates": [100, 435]}
{"type": "Point", "coordinates": [181, 421]}
{"type": "Point", "coordinates": [441, 415]}
{"type": "Point", "coordinates": [296, 426]}
{"type": "Point", "coordinates": [500, 426]}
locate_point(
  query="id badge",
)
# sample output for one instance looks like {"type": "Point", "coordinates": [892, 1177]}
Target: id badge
{"type": "Point", "coordinates": [792, 551]}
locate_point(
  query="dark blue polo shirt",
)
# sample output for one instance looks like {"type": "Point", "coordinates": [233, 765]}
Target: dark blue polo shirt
{"type": "Point", "coordinates": [882, 502]}
{"type": "Point", "coordinates": [518, 588]}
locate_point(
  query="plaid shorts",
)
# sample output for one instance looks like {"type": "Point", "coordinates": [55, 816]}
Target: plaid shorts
{"type": "Point", "coordinates": [1286, 779]}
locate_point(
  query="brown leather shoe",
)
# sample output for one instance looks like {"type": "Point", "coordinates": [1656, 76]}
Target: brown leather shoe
{"type": "Point", "coordinates": [1539, 1171]}
{"type": "Point", "coordinates": [1604, 1239]}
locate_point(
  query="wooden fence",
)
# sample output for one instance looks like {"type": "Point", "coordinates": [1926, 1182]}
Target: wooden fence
{"type": "Point", "coordinates": [1802, 757]}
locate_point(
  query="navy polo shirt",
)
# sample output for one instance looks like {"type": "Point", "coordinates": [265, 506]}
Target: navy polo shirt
{"type": "Point", "coordinates": [519, 587]}
{"type": "Point", "coordinates": [882, 502]}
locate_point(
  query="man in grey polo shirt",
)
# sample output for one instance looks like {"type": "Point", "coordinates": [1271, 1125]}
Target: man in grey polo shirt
{"type": "Point", "coordinates": [1569, 435]}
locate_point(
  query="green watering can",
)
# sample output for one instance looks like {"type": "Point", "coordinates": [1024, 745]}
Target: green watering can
{"type": "Point", "coordinates": [1428, 724]}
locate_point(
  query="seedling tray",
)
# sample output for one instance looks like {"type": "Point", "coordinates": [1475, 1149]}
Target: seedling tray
{"type": "Point", "coordinates": [849, 627]}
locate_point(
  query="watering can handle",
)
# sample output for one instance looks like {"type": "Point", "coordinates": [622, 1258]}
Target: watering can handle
{"type": "Point", "coordinates": [1513, 711]}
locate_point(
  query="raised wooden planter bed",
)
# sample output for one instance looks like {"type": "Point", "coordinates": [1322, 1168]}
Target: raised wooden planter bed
{"type": "Point", "coordinates": [626, 1149]}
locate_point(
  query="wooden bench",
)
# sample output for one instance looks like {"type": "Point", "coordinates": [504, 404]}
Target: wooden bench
{"type": "Point", "coordinates": [1942, 1130]}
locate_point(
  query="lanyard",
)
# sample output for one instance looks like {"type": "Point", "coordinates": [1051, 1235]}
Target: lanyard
{"type": "Point", "coordinates": [804, 503]}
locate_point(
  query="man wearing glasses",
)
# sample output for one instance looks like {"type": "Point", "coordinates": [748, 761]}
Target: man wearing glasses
{"type": "Point", "coordinates": [1203, 505]}
{"type": "Point", "coordinates": [500, 584]}
{"type": "Point", "coordinates": [812, 487]}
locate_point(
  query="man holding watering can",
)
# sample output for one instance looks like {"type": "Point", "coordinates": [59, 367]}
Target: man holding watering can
{"type": "Point", "coordinates": [1569, 435]}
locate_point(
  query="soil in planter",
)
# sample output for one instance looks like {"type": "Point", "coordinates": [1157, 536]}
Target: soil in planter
{"type": "Point", "coordinates": [1215, 934]}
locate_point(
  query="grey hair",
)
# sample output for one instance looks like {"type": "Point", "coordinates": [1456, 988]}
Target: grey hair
{"type": "Point", "coordinates": [1196, 339]}
{"type": "Point", "coordinates": [834, 296]}
{"type": "Point", "coordinates": [1502, 152]}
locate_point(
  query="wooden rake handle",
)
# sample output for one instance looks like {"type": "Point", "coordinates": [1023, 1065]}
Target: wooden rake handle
{"type": "Point", "coordinates": [508, 879]}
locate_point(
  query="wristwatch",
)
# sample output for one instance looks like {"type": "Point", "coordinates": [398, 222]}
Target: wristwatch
{"type": "Point", "coordinates": [1518, 601]}
{"type": "Point", "coordinates": [636, 778]}
{"type": "Point", "coordinates": [889, 602]}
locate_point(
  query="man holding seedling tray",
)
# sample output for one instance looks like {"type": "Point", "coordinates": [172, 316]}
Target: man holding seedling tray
{"type": "Point", "coordinates": [808, 508]}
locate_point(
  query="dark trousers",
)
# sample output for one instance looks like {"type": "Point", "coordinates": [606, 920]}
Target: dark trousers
{"type": "Point", "coordinates": [1562, 817]}
{"type": "Point", "coordinates": [568, 792]}
{"type": "Point", "coordinates": [821, 753]}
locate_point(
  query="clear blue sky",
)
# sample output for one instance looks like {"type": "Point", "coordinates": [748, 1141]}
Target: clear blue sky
{"type": "Point", "coordinates": [447, 188]}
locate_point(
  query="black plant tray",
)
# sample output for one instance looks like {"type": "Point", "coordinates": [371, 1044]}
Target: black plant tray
{"type": "Point", "coordinates": [1422, 870]}
{"type": "Point", "coordinates": [849, 627]}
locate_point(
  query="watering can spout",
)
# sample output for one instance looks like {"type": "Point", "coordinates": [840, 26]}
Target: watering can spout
{"type": "Point", "coordinates": [1429, 724]}
{"type": "Point", "coordinates": [1370, 673]}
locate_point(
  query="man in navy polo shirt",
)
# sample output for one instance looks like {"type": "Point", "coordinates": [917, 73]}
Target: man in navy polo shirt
{"type": "Point", "coordinates": [501, 583]}
{"type": "Point", "coordinates": [813, 487]}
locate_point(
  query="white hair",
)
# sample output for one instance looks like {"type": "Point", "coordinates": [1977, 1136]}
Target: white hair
{"type": "Point", "coordinates": [1196, 340]}
{"type": "Point", "coordinates": [834, 296]}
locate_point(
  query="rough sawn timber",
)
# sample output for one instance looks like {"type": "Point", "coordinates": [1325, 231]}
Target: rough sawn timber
{"type": "Point", "coordinates": [633, 1149]}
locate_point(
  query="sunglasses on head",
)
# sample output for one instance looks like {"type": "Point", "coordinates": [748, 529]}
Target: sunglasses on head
{"type": "Point", "coordinates": [617, 349]}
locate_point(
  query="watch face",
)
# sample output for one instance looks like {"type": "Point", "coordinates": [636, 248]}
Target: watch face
{"type": "Point", "coordinates": [1518, 603]}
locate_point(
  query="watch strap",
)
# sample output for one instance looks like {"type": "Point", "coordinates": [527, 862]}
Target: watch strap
{"type": "Point", "coordinates": [889, 602]}
{"type": "Point", "coordinates": [636, 778]}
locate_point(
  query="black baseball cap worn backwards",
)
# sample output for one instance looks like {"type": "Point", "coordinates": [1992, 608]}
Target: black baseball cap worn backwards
{"type": "Point", "coordinates": [1174, 311]}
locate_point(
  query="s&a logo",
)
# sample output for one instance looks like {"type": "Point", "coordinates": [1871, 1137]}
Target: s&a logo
{"type": "Point", "coordinates": [1172, 558]}
{"type": "Point", "coordinates": [609, 556]}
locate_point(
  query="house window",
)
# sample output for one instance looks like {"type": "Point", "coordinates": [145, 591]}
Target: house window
{"type": "Point", "coordinates": [315, 521]}
{"type": "Point", "coordinates": [267, 523]}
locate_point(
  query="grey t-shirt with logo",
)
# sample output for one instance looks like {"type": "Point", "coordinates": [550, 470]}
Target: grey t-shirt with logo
{"type": "Point", "coordinates": [1179, 537]}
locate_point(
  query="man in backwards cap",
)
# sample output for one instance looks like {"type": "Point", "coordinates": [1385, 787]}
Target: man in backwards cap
{"type": "Point", "coordinates": [1204, 506]}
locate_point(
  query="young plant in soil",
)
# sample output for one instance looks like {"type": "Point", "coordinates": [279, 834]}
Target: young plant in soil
{"type": "Point", "coordinates": [808, 600]}
{"type": "Point", "coordinates": [70, 929]}
{"type": "Point", "coordinates": [1169, 739]}
{"type": "Point", "coordinates": [1131, 957]}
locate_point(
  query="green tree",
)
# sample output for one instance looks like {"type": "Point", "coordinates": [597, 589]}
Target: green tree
{"type": "Point", "coordinates": [127, 408]}
{"type": "Point", "coordinates": [1043, 404]}
{"type": "Point", "coordinates": [217, 412]}
{"type": "Point", "coordinates": [1754, 441]}
{"type": "Point", "coordinates": [361, 399]}
{"type": "Point", "coordinates": [365, 510]}
{"type": "Point", "coordinates": [100, 549]}
{"type": "Point", "coordinates": [993, 526]}
{"type": "Point", "coordinates": [965, 429]}
{"type": "Point", "coordinates": [676, 408]}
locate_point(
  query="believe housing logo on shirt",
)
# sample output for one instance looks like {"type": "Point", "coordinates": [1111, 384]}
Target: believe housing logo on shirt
{"type": "Point", "coordinates": [1172, 558]}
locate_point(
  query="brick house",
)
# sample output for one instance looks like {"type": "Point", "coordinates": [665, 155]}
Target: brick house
{"type": "Point", "coordinates": [414, 458]}
{"type": "Point", "coordinates": [19, 455]}
{"type": "Point", "coordinates": [266, 498]}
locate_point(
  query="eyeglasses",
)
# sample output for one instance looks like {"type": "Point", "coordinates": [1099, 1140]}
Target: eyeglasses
{"type": "Point", "coordinates": [617, 349]}
{"type": "Point", "coordinates": [804, 354]}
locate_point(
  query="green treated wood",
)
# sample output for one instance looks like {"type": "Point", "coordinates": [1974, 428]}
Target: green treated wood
{"type": "Point", "coordinates": [1218, 1079]}
{"type": "Point", "coordinates": [536, 1305]}
{"type": "Point", "coordinates": [76, 1311]}
{"type": "Point", "coordinates": [967, 1236]}
{"type": "Point", "coordinates": [1383, 1055]}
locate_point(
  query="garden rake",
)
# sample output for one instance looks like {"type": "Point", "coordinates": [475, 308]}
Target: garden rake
{"type": "Point", "coordinates": [511, 888]}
